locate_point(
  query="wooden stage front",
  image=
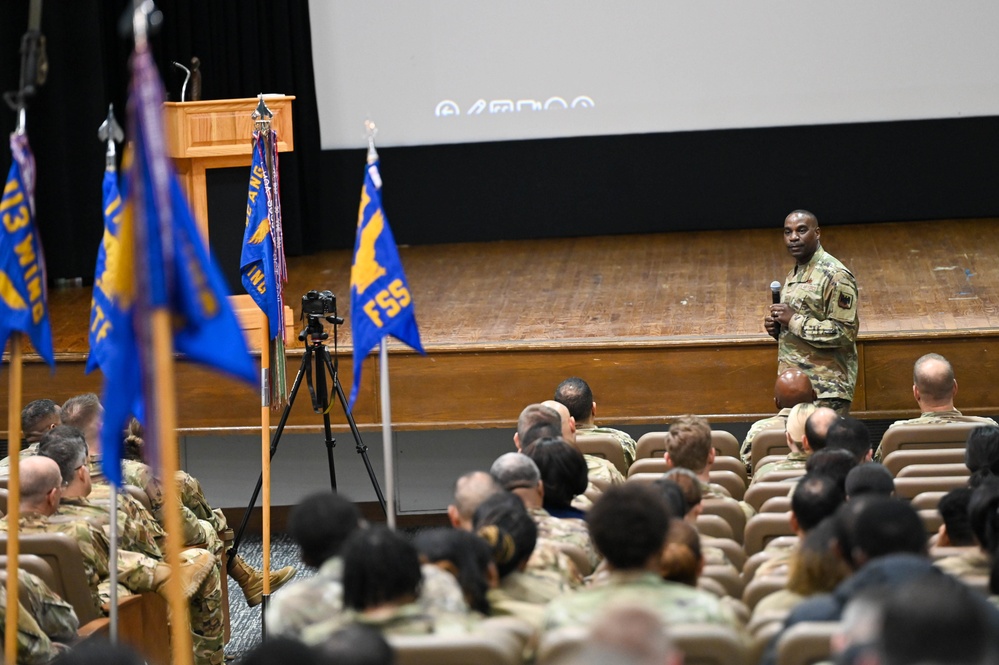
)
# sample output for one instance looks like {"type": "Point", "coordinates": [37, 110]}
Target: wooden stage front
{"type": "Point", "coordinates": [659, 325]}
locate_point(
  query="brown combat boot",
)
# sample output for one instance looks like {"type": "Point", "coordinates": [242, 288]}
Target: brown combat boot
{"type": "Point", "coordinates": [251, 580]}
{"type": "Point", "coordinates": [195, 566]}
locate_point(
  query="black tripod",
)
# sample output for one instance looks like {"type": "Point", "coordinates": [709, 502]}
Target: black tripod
{"type": "Point", "coordinates": [315, 352]}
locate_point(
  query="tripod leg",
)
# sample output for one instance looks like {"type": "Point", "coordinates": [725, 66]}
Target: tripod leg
{"type": "Point", "coordinates": [322, 395]}
{"type": "Point", "coordinates": [362, 449]}
{"type": "Point", "coordinates": [306, 359]}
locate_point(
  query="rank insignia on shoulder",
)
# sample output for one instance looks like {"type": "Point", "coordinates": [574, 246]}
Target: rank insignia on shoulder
{"type": "Point", "coordinates": [845, 301]}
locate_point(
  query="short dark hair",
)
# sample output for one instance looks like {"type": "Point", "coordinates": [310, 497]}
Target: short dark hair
{"type": "Point", "coordinates": [35, 412]}
{"type": "Point", "coordinates": [67, 446]}
{"type": "Point", "coordinates": [320, 524]}
{"type": "Point", "coordinates": [534, 414]}
{"type": "Point", "coordinates": [889, 526]}
{"type": "Point", "coordinates": [355, 644]}
{"type": "Point", "coordinates": [983, 516]}
{"type": "Point", "coordinates": [379, 566]}
{"type": "Point", "coordinates": [81, 410]}
{"type": "Point", "coordinates": [835, 463]}
{"type": "Point", "coordinates": [576, 395]}
{"type": "Point", "coordinates": [953, 509]}
{"type": "Point", "coordinates": [689, 484]}
{"type": "Point", "coordinates": [673, 495]}
{"type": "Point", "coordinates": [816, 430]}
{"type": "Point", "coordinates": [563, 470]}
{"type": "Point", "coordinates": [279, 650]}
{"type": "Point", "coordinates": [469, 556]}
{"type": "Point", "coordinates": [850, 434]}
{"type": "Point", "coordinates": [628, 524]}
{"type": "Point", "coordinates": [503, 523]}
{"type": "Point", "coordinates": [870, 478]}
{"type": "Point", "coordinates": [540, 431]}
{"type": "Point", "coordinates": [815, 498]}
{"type": "Point", "coordinates": [981, 453]}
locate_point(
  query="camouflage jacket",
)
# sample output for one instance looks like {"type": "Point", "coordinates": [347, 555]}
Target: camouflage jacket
{"type": "Point", "coordinates": [409, 619]}
{"type": "Point", "coordinates": [137, 530]}
{"type": "Point", "coordinates": [44, 621]}
{"type": "Point", "coordinates": [773, 422]}
{"type": "Point", "coordinates": [565, 530]}
{"type": "Point", "coordinates": [972, 563]}
{"type": "Point", "coordinates": [602, 473]}
{"type": "Point", "coordinates": [32, 449]}
{"type": "Point", "coordinates": [307, 602]}
{"type": "Point", "coordinates": [821, 339]}
{"type": "Point", "coordinates": [547, 557]}
{"type": "Point", "coordinates": [793, 461]}
{"type": "Point", "coordinates": [628, 445]}
{"type": "Point", "coordinates": [952, 416]}
{"type": "Point", "coordinates": [674, 603]}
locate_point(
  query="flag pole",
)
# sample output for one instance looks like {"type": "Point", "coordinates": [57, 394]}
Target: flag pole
{"type": "Point", "coordinates": [265, 463]}
{"type": "Point", "coordinates": [14, 494]}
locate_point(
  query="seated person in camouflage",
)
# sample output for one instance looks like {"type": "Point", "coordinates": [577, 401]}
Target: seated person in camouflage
{"type": "Point", "coordinates": [577, 397]}
{"type": "Point", "coordinates": [563, 472]}
{"type": "Point", "coordinates": [41, 489]}
{"type": "Point", "coordinates": [850, 434]}
{"type": "Point", "coordinates": [981, 454]}
{"type": "Point", "coordinates": [470, 490]}
{"type": "Point", "coordinates": [629, 525]}
{"type": "Point", "coordinates": [517, 473]}
{"type": "Point", "coordinates": [523, 591]}
{"type": "Point", "coordinates": [983, 518]}
{"type": "Point", "coordinates": [463, 556]}
{"type": "Point", "coordinates": [381, 586]}
{"type": "Point", "coordinates": [934, 387]}
{"type": "Point", "coordinates": [46, 624]}
{"type": "Point", "coordinates": [955, 533]}
{"type": "Point", "coordinates": [869, 479]}
{"type": "Point", "coordinates": [795, 435]}
{"type": "Point", "coordinates": [600, 471]}
{"type": "Point", "coordinates": [37, 418]}
{"type": "Point", "coordinates": [201, 523]}
{"type": "Point", "coordinates": [793, 387]}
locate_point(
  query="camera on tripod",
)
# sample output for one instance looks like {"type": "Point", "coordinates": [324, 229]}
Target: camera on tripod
{"type": "Point", "coordinates": [318, 306]}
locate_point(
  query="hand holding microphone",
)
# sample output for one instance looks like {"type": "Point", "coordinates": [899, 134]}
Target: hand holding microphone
{"type": "Point", "coordinates": [772, 323]}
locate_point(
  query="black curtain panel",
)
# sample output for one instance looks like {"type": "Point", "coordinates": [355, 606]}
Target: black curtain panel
{"type": "Point", "coordinates": [245, 46]}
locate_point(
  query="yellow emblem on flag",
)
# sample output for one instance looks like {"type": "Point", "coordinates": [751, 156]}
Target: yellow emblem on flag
{"type": "Point", "coordinates": [9, 293]}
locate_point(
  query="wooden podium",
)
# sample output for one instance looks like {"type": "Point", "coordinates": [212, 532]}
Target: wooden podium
{"type": "Point", "coordinates": [218, 134]}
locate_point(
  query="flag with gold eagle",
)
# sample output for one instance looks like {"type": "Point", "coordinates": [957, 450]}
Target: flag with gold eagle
{"type": "Point", "coordinates": [380, 300]}
{"type": "Point", "coordinates": [161, 262]}
{"type": "Point", "coordinates": [23, 291]}
{"type": "Point", "coordinates": [261, 268]}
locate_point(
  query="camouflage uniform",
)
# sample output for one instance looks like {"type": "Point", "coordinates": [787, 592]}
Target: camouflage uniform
{"type": "Point", "coordinates": [602, 473]}
{"type": "Point", "coordinates": [307, 602]}
{"type": "Point", "coordinates": [674, 603]}
{"type": "Point", "coordinates": [821, 339]}
{"type": "Point", "coordinates": [525, 595]}
{"type": "Point", "coordinates": [716, 491]}
{"type": "Point", "coordinates": [628, 445]}
{"type": "Point", "coordinates": [135, 574]}
{"type": "Point", "coordinates": [565, 530]}
{"type": "Point", "coordinates": [773, 422]}
{"type": "Point", "coordinates": [972, 563]}
{"type": "Point", "coordinates": [44, 621]}
{"type": "Point", "coordinates": [548, 557]}
{"type": "Point", "coordinates": [27, 452]}
{"type": "Point", "coordinates": [792, 462]}
{"type": "Point", "coordinates": [409, 619]}
{"type": "Point", "coordinates": [137, 531]}
{"type": "Point", "coordinates": [440, 593]}
{"type": "Point", "coordinates": [948, 417]}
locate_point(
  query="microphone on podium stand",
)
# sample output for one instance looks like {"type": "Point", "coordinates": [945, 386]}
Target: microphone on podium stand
{"type": "Point", "coordinates": [775, 293]}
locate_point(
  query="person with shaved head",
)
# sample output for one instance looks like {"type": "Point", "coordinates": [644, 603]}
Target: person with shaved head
{"type": "Point", "coordinates": [793, 387]}
{"type": "Point", "coordinates": [470, 490]}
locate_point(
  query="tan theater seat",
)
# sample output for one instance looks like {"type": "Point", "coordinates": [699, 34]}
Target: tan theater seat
{"type": "Point", "coordinates": [729, 511]}
{"type": "Point", "coordinates": [760, 492]}
{"type": "Point", "coordinates": [922, 437]}
{"type": "Point", "coordinates": [734, 484]}
{"type": "Point", "coordinates": [908, 488]}
{"type": "Point", "coordinates": [923, 470]}
{"type": "Point", "coordinates": [492, 643]}
{"type": "Point", "coordinates": [764, 527]}
{"type": "Point", "coordinates": [701, 644]}
{"type": "Point", "coordinates": [900, 459]}
{"type": "Point", "coordinates": [806, 643]}
{"type": "Point", "coordinates": [648, 465]}
{"type": "Point", "coordinates": [733, 464]}
{"type": "Point", "coordinates": [768, 442]}
{"type": "Point", "coordinates": [653, 444]}
{"type": "Point", "coordinates": [605, 446]}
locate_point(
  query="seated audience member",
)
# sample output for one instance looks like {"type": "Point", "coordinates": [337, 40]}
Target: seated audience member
{"type": "Point", "coordinates": [981, 454]}
{"type": "Point", "coordinates": [355, 645]}
{"type": "Point", "coordinates": [282, 650]}
{"type": "Point", "coordinates": [563, 471]}
{"type": "Point", "coordinates": [984, 522]}
{"type": "Point", "coordinates": [37, 418]}
{"type": "Point", "coordinates": [956, 528]}
{"type": "Point", "coordinates": [793, 387]}
{"type": "Point", "coordinates": [835, 463]}
{"type": "Point", "coordinates": [41, 487]}
{"type": "Point", "coordinates": [517, 473]}
{"type": "Point", "coordinates": [690, 485]}
{"type": "Point", "coordinates": [464, 556]}
{"type": "Point", "coordinates": [522, 590]}
{"type": "Point", "coordinates": [672, 494]}
{"type": "Point", "coordinates": [682, 561]}
{"type": "Point", "coordinates": [934, 387]}
{"type": "Point", "coordinates": [795, 435]}
{"type": "Point", "coordinates": [629, 525]}
{"type": "Point", "coordinates": [814, 567]}
{"type": "Point", "coordinates": [681, 490]}
{"type": "Point", "coordinates": [857, 640]}
{"type": "Point", "coordinates": [577, 397]}
{"type": "Point", "coordinates": [869, 479]}
{"type": "Point", "coordinates": [627, 635]}
{"type": "Point", "coordinates": [381, 587]}
{"type": "Point", "coordinates": [470, 490]}
{"type": "Point", "coordinates": [320, 524]}
{"type": "Point", "coordinates": [600, 471]}
{"type": "Point", "coordinates": [46, 624]}
{"type": "Point", "coordinates": [851, 434]}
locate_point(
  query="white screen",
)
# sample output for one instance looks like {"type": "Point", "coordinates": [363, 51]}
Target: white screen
{"type": "Point", "coordinates": [646, 65]}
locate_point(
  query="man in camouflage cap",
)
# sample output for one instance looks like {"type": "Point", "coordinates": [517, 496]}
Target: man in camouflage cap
{"type": "Point", "coordinates": [577, 397]}
{"type": "Point", "coordinates": [816, 321]}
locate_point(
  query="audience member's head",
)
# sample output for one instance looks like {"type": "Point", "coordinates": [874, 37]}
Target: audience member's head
{"type": "Point", "coordinates": [354, 644]}
{"type": "Point", "coordinates": [532, 416]}
{"type": "Point", "coordinates": [956, 528]}
{"type": "Point", "coordinates": [41, 485]}
{"type": "Point", "coordinates": [470, 490]}
{"type": "Point", "coordinates": [981, 453]}
{"type": "Point", "coordinates": [516, 471]}
{"type": "Point", "coordinates": [835, 463]}
{"type": "Point", "coordinates": [134, 444]}
{"type": "Point", "coordinates": [816, 565]}
{"type": "Point", "coordinates": [380, 568]}
{"type": "Point", "coordinates": [633, 636]}
{"type": "Point", "coordinates": [566, 420]}
{"type": "Point", "coordinates": [628, 525]}
{"type": "Point", "coordinates": [688, 444]}
{"type": "Point", "coordinates": [681, 560]}
{"type": "Point", "coordinates": [38, 417]}
{"type": "Point", "coordinates": [466, 556]}
{"type": "Point", "coordinates": [857, 640]}
{"type": "Point", "coordinates": [983, 515]}
{"type": "Point", "coordinates": [817, 427]}
{"type": "Point", "coordinates": [282, 650]}
{"type": "Point", "coordinates": [933, 383]}
{"type": "Point", "coordinates": [793, 387]}
{"type": "Point", "coordinates": [794, 430]}
{"type": "Point", "coordinates": [85, 411]}
{"type": "Point", "coordinates": [814, 498]}
{"type": "Point", "coordinates": [850, 434]}
{"type": "Point", "coordinates": [690, 485]}
{"type": "Point", "coordinates": [504, 524]}
{"type": "Point", "coordinates": [887, 526]}
{"type": "Point", "coordinates": [577, 397]}
{"type": "Point", "coordinates": [563, 471]}
{"type": "Point", "coordinates": [869, 479]}
{"type": "Point", "coordinates": [320, 525]}
{"type": "Point", "coordinates": [65, 445]}
{"type": "Point", "coordinates": [673, 495]}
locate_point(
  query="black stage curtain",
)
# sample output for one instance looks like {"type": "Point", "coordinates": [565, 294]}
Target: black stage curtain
{"type": "Point", "coordinates": [245, 47]}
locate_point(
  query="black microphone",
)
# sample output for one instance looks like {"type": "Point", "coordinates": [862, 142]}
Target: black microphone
{"type": "Point", "coordinates": [775, 293]}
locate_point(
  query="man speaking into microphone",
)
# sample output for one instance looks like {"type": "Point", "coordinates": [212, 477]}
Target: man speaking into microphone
{"type": "Point", "coordinates": [816, 321]}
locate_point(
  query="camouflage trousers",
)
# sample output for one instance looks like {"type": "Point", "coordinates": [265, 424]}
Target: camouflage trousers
{"type": "Point", "coordinates": [840, 406]}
